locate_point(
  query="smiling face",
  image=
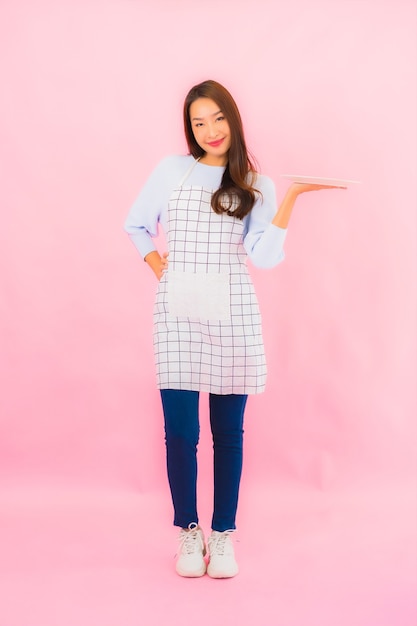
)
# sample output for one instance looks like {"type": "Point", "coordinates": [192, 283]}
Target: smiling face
{"type": "Point", "coordinates": [211, 131]}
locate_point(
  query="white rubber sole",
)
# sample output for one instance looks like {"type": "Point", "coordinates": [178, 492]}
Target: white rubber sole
{"type": "Point", "coordinates": [219, 573]}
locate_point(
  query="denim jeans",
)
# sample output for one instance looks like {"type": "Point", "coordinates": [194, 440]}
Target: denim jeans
{"type": "Point", "coordinates": [182, 430]}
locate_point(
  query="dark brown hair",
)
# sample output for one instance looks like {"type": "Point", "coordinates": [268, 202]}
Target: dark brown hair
{"type": "Point", "coordinates": [236, 185]}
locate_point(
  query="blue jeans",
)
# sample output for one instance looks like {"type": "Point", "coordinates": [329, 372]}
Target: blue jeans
{"type": "Point", "coordinates": [182, 430]}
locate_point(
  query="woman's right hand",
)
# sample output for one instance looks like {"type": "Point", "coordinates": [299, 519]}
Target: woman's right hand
{"type": "Point", "coordinates": [157, 263]}
{"type": "Point", "coordinates": [164, 264]}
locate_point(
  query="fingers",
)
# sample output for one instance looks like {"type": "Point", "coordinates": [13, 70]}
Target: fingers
{"type": "Point", "coordinates": [330, 187]}
{"type": "Point", "coordinates": [164, 262]}
{"type": "Point", "coordinates": [303, 187]}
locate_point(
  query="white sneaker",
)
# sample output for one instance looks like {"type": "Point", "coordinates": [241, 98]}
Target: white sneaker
{"type": "Point", "coordinates": [190, 562]}
{"type": "Point", "coordinates": [222, 562]}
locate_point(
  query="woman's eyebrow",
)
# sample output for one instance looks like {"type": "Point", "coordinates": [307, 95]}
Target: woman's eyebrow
{"type": "Point", "coordinates": [201, 118]}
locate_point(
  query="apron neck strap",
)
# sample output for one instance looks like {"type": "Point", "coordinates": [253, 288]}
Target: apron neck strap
{"type": "Point", "coordinates": [188, 172]}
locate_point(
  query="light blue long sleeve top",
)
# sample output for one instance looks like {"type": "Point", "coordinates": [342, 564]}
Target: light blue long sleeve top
{"type": "Point", "coordinates": [262, 240]}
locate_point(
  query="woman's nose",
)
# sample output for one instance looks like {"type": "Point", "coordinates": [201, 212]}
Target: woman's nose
{"type": "Point", "coordinates": [212, 130]}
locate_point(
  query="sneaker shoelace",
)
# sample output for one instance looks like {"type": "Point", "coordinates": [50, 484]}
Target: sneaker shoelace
{"type": "Point", "coordinates": [190, 541]}
{"type": "Point", "coordinates": [218, 544]}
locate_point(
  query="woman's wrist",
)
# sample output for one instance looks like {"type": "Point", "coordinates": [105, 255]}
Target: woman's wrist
{"type": "Point", "coordinates": [282, 216]}
{"type": "Point", "coordinates": [153, 259]}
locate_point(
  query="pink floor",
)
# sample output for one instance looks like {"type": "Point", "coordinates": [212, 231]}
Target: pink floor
{"type": "Point", "coordinates": [76, 557]}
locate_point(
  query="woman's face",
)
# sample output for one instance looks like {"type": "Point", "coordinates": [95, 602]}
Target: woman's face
{"type": "Point", "coordinates": [211, 131]}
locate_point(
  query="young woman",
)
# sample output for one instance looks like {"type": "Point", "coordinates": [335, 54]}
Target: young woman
{"type": "Point", "coordinates": [216, 211]}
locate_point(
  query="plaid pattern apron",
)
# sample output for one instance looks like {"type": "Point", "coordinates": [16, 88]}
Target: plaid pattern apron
{"type": "Point", "coordinates": [207, 325]}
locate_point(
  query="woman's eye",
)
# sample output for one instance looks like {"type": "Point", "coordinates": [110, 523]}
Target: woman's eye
{"type": "Point", "coordinates": [220, 119]}
{"type": "Point", "coordinates": [198, 124]}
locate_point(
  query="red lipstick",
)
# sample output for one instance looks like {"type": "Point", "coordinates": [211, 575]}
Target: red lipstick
{"type": "Point", "coordinates": [215, 144]}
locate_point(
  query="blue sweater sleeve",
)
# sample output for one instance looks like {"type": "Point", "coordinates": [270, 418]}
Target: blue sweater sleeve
{"type": "Point", "coordinates": [263, 241]}
{"type": "Point", "coordinates": [142, 221]}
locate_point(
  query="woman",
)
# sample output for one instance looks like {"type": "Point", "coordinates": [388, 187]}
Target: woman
{"type": "Point", "coordinates": [216, 211]}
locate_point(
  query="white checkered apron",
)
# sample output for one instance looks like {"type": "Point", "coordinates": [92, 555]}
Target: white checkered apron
{"type": "Point", "coordinates": [207, 325]}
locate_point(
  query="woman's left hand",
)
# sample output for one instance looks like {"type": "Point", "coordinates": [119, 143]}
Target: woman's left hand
{"type": "Point", "coordinates": [283, 214]}
{"type": "Point", "coordinates": [303, 187]}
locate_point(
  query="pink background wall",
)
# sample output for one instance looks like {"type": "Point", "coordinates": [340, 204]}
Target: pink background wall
{"type": "Point", "coordinates": [91, 100]}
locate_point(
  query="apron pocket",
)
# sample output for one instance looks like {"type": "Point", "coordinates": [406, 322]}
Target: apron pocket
{"type": "Point", "coordinates": [204, 297]}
